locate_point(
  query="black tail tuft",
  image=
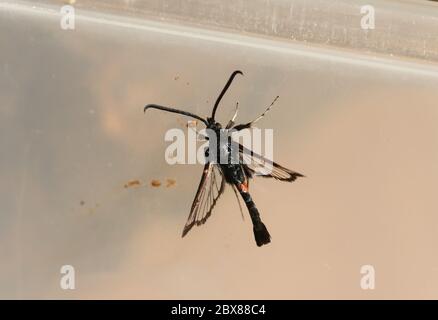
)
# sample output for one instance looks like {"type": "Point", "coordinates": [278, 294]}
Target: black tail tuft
{"type": "Point", "coordinates": [261, 234]}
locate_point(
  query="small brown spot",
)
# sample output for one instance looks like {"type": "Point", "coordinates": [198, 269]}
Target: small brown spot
{"type": "Point", "coordinates": [182, 122]}
{"type": "Point", "coordinates": [132, 183]}
{"type": "Point", "coordinates": [155, 183]}
{"type": "Point", "coordinates": [82, 202]}
{"type": "Point", "coordinates": [191, 123]}
{"type": "Point", "coordinates": [188, 83]}
{"type": "Point", "coordinates": [170, 183]}
{"type": "Point", "coordinates": [176, 78]}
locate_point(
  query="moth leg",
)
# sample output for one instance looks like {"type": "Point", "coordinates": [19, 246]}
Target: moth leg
{"type": "Point", "coordinates": [238, 201]}
{"type": "Point", "coordinates": [249, 124]}
{"type": "Point", "coordinates": [231, 122]}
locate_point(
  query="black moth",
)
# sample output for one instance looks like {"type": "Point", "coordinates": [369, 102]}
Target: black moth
{"type": "Point", "coordinates": [216, 175]}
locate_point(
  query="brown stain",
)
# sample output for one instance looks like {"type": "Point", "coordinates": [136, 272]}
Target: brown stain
{"type": "Point", "coordinates": [170, 183]}
{"type": "Point", "coordinates": [82, 202]}
{"type": "Point", "coordinates": [132, 183]}
{"type": "Point", "coordinates": [155, 183]}
{"type": "Point", "coordinates": [184, 123]}
{"type": "Point", "coordinates": [191, 124]}
{"type": "Point", "coordinates": [176, 78]}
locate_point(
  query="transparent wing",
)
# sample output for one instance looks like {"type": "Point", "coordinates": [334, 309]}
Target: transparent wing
{"type": "Point", "coordinates": [210, 188]}
{"type": "Point", "coordinates": [257, 165]}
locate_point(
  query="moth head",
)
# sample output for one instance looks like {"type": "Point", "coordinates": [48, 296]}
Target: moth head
{"type": "Point", "coordinates": [212, 124]}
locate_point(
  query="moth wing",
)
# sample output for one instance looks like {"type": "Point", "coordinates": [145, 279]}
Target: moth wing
{"type": "Point", "coordinates": [210, 188]}
{"type": "Point", "coordinates": [258, 165]}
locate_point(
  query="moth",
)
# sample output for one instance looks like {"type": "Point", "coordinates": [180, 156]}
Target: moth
{"type": "Point", "coordinates": [235, 171]}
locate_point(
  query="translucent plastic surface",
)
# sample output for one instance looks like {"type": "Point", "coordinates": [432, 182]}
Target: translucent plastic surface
{"type": "Point", "coordinates": [73, 134]}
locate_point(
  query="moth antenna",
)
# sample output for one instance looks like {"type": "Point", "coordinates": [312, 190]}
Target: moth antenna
{"type": "Point", "coordinates": [227, 85]}
{"type": "Point", "coordinates": [173, 110]}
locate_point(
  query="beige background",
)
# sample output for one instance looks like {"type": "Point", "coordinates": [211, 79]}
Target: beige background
{"type": "Point", "coordinates": [363, 131]}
